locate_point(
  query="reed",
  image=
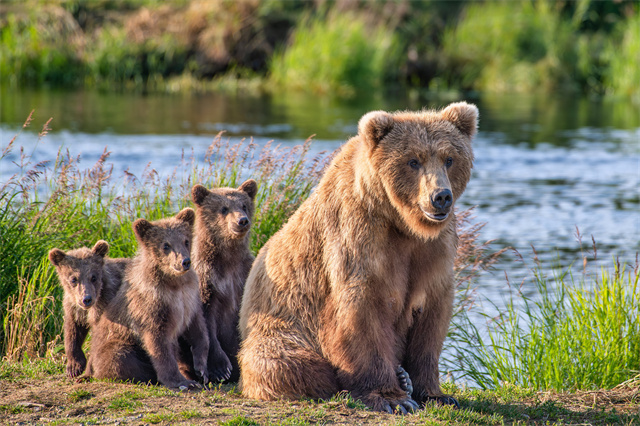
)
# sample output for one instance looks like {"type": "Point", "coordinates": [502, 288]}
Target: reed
{"type": "Point", "coordinates": [557, 333]}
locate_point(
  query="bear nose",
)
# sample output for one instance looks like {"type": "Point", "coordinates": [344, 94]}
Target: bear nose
{"type": "Point", "coordinates": [243, 221]}
{"type": "Point", "coordinates": [87, 300]}
{"type": "Point", "coordinates": [186, 264]}
{"type": "Point", "coordinates": [442, 199]}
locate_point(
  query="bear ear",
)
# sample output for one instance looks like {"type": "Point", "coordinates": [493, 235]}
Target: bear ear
{"type": "Point", "coordinates": [101, 248]}
{"type": "Point", "coordinates": [198, 194]}
{"type": "Point", "coordinates": [374, 126]}
{"type": "Point", "coordinates": [187, 215]}
{"type": "Point", "coordinates": [464, 116]}
{"type": "Point", "coordinates": [141, 227]}
{"type": "Point", "coordinates": [56, 256]}
{"type": "Point", "coordinates": [250, 187]}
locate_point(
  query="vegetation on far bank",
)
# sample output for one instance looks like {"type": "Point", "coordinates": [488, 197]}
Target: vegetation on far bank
{"type": "Point", "coordinates": [336, 47]}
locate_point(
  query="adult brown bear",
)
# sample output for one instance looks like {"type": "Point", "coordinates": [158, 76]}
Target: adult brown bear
{"type": "Point", "coordinates": [360, 280]}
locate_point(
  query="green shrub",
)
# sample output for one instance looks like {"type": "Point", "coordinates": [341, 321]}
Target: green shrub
{"type": "Point", "coordinates": [339, 54]}
{"type": "Point", "coordinates": [623, 53]}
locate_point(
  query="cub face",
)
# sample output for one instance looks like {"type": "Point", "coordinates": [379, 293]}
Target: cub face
{"type": "Point", "coordinates": [423, 161]}
{"type": "Point", "coordinates": [80, 272]}
{"type": "Point", "coordinates": [226, 212]}
{"type": "Point", "coordinates": [167, 241]}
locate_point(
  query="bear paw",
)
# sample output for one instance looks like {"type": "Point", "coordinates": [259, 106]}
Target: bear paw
{"type": "Point", "coordinates": [405, 381]}
{"type": "Point", "coordinates": [75, 367]}
{"type": "Point", "coordinates": [391, 406]}
{"type": "Point", "coordinates": [443, 400]}
{"type": "Point", "coordinates": [220, 370]}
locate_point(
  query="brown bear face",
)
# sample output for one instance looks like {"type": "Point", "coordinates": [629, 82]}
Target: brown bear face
{"type": "Point", "coordinates": [423, 161]}
{"type": "Point", "coordinates": [226, 212]}
{"type": "Point", "coordinates": [80, 272]}
{"type": "Point", "coordinates": [167, 242]}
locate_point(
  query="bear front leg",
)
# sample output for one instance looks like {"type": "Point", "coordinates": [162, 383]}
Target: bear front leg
{"type": "Point", "coordinates": [218, 362]}
{"type": "Point", "coordinates": [74, 336]}
{"type": "Point", "coordinates": [163, 357]}
{"type": "Point", "coordinates": [361, 342]}
{"type": "Point", "coordinates": [197, 338]}
{"type": "Point", "coordinates": [424, 345]}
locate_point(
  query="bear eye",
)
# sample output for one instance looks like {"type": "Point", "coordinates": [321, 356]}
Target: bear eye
{"type": "Point", "coordinates": [93, 278]}
{"type": "Point", "coordinates": [166, 247]}
{"type": "Point", "coordinates": [414, 164]}
{"type": "Point", "coordinates": [186, 243]}
{"type": "Point", "coordinates": [74, 280]}
{"type": "Point", "coordinates": [449, 162]}
{"type": "Point", "coordinates": [224, 210]}
{"type": "Point", "coordinates": [244, 208]}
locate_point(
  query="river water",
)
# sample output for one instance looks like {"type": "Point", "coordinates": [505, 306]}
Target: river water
{"type": "Point", "coordinates": [545, 166]}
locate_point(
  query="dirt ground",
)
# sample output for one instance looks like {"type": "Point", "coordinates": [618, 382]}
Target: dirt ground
{"type": "Point", "coordinates": [58, 400]}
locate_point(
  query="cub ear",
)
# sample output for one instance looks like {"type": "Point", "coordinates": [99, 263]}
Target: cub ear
{"type": "Point", "coordinates": [464, 116]}
{"type": "Point", "coordinates": [101, 248]}
{"type": "Point", "coordinates": [374, 126]}
{"type": "Point", "coordinates": [250, 187]}
{"type": "Point", "coordinates": [198, 194]}
{"type": "Point", "coordinates": [187, 215]}
{"type": "Point", "coordinates": [56, 256]}
{"type": "Point", "coordinates": [141, 227]}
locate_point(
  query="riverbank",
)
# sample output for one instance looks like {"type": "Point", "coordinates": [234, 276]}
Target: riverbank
{"type": "Point", "coordinates": [36, 392]}
{"type": "Point", "coordinates": [337, 48]}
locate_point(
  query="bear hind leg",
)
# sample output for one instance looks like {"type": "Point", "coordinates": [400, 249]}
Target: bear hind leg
{"type": "Point", "coordinates": [277, 366]}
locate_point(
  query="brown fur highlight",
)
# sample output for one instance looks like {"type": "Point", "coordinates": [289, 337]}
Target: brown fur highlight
{"type": "Point", "coordinates": [222, 261]}
{"type": "Point", "coordinates": [137, 337]}
{"type": "Point", "coordinates": [360, 279]}
{"type": "Point", "coordinates": [90, 281]}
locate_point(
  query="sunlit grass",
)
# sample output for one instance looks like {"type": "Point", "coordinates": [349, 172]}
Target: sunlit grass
{"type": "Point", "coordinates": [558, 332]}
{"type": "Point", "coordinates": [339, 54]}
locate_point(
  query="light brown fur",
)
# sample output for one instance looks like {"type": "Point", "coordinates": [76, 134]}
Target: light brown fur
{"type": "Point", "coordinates": [360, 279]}
{"type": "Point", "coordinates": [90, 281]}
{"type": "Point", "coordinates": [137, 337]}
{"type": "Point", "coordinates": [222, 261]}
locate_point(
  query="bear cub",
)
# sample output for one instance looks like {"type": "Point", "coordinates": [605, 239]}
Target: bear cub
{"type": "Point", "coordinates": [222, 261]}
{"type": "Point", "coordinates": [137, 337]}
{"type": "Point", "coordinates": [90, 281]}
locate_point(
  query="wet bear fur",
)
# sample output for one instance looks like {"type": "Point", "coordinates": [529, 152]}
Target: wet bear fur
{"type": "Point", "coordinates": [360, 281]}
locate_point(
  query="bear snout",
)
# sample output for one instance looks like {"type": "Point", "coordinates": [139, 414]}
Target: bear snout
{"type": "Point", "coordinates": [186, 264]}
{"type": "Point", "coordinates": [240, 226]}
{"type": "Point", "coordinates": [441, 200]}
{"type": "Point", "coordinates": [87, 301]}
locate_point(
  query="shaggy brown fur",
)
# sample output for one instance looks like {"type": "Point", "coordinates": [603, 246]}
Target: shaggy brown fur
{"type": "Point", "coordinates": [222, 261]}
{"type": "Point", "coordinates": [137, 337]}
{"type": "Point", "coordinates": [360, 280]}
{"type": "Point", "coordinates": [90, 280]}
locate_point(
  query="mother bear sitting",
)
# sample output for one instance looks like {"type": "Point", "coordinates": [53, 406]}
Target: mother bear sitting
{"type": "Point", "coordinates": [360, 280]}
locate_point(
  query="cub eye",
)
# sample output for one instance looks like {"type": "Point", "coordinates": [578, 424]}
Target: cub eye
{"type": "Point", "coordinates": [186, 243]}
{"type": "Point", "coordinates": [166, 247]}
{"type": "Point", "coordinates": [414, 164]}
{"type": "Point", "coordinates": [93, 278]}
{"type": "Point", "coordinates": [224, 210]}
{"type": "Point", "coordinates": [244, 208]}
{"type": "Point", "coordinates": [74, 280]}
{"type": "Point", "coordinates": [449, 162]}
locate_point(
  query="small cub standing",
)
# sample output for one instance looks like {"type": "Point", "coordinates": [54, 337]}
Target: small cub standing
{"type": "Point", "coordinates": [222, 261]}
{"type": "Point", "coordinates": [137, 337]}
{"type": "Point", "coordinates": [90, 281]}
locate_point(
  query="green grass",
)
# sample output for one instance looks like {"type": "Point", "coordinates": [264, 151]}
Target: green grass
{"type": "Point", "coordinates": [79, 395]}
{"type": "Point", "coordinates": [559, 333]}
{"type": "Point", "coordinates": [338, 54]}
{"type": "Point", "coordinates": [127, 400]}
{"type": "Point", "coordinates": [59, 204]}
